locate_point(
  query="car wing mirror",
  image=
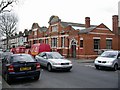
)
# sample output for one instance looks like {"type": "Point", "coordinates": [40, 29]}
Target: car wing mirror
{"type": "Point", "coordinates": [119, 57]}
{"type": "Point", "coordinates": [36, 59]}
{"type": "Point", "coordinates": [45, 57]}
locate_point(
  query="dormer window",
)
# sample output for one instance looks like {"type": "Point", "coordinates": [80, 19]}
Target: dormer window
{"type": "Point", "coordinates": [35, 33]}
{"type": "Point", "coordinates": [55, 28]}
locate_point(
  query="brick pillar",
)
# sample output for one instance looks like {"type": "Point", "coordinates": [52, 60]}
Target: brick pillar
{"type": "Point", "coordinates": [87, 22]}
{"type": "Point", "coordinates": [115, 24]}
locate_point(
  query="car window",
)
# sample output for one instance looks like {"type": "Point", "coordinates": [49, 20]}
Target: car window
{"type": "Point", "coordinates": [109, 54]}
{"type": "Point", "coordinates": [119, 55]}
{"type": "Point", "coordinates": [1, 55]}
{"type": "Point", "coordinates": [17, 58]}
{"type": "Point", "coordinates": [42, 54]}
{"type": "Point", "coordinates": [54, 55]}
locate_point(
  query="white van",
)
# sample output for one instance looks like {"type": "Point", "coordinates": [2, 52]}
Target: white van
{"type": "Point", "coordinates": [110, 59]}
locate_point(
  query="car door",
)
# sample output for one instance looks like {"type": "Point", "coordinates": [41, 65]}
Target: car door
{"type": "Point", "coordinates": [39, 58]}
{"type": "Point", "coordinates": [45, 59]}
{"type": "Point", "coordinates": [5, 62]}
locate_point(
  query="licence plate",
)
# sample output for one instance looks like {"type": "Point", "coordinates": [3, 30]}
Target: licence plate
{"type": "Point", "coordinates": [25, 68]}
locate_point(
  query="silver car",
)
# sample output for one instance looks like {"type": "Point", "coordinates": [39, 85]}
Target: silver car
{"type": "Point", "coordinates": [53, 60]}
{"type": "Point", "coordinates": [110, 59]}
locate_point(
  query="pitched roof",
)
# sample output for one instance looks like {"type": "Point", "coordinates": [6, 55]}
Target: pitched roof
{"type": "Point", "coordinates": [75, 25]}
{"type": "Point", "coordinates": [87, 30]}
{"type": "Point", "coordinates": [65, 24]}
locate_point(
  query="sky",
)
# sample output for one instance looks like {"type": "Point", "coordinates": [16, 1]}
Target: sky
{"type": "Point", "coordinates": [39, 11]}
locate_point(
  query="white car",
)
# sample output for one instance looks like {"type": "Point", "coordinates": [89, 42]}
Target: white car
{"type": "Point", "coordinates": [53, 60]}
{"type": "Point", "coordinates": [110, 59]}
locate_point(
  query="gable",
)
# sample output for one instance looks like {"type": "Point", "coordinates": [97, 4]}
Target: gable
{"type": "Point", "coordinates": [35, 25]}
{"type": "Point", "coordinates": [53, 19]}
{"type": "Point", "coordinates": [102, 29]}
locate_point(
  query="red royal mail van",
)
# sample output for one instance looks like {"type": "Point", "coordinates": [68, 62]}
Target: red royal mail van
{"type": "Point", "coordinates": [38, 48]}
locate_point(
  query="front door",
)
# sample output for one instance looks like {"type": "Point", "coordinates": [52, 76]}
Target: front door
{"type": "Point", "coordinates": [73, 47]}
{"type": "Point", "coordinates": [74, 51]}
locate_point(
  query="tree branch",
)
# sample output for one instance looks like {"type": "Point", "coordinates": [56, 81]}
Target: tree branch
{"type": "Point", "coordinates": [5, 4]}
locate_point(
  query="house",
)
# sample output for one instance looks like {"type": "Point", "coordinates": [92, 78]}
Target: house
{"type": "Point", "coordinates": [75, 39]}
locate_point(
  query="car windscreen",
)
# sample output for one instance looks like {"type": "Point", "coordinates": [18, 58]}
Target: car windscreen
{"type": "Point", "coordinates": [19, 58]}
{"type": "Point", "coordinates": [109, 54]}
{"type": "Point", "coordinates": [54, 55]}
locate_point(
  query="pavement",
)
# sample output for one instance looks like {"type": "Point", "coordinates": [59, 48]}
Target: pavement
{"type": "Point", "coordinates": [0, 82]}
{"type": "Point", "coordinates": [82, 60]}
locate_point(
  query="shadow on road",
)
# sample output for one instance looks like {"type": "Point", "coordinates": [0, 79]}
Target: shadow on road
{"type": "Point", "coordinates": [23, 81]}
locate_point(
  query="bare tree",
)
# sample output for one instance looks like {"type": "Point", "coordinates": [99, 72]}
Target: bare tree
{"type": "Point", "coordinates": [4, 4]}
{"type": "Point", "coordinates": [8, 24]}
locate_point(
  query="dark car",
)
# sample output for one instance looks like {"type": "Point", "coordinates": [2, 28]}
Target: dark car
{"type": "Point", "coordinates": [5, 55]}
{"type": "Point", "coordinates": [18, 66]}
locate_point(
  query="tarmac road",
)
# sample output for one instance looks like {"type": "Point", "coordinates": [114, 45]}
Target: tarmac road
{"type": "Point", "coordinates": [82, 75]}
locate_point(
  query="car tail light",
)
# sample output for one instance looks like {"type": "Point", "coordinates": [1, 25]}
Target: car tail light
{"type": "Point", "coordinates": [11, 68]}
{"type": "Point", "coordinates": [37, 65]}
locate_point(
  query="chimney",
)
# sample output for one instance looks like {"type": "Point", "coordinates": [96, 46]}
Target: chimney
{"type": "Point", "coordinates": [115, 24]}
{"type": "Point", "coordinates": [87, 22]}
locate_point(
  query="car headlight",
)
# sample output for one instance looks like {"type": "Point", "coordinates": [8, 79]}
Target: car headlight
{"type": "Point", "coordinates": [70, 62]}
{"type": "Point", "coordinates": [108, 61]}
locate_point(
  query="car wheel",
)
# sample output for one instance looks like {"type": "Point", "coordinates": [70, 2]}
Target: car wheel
{"type": "Point", "coordinates": [36, 77]}
{"type": "Point", "coordinates": [68, 70]}
{"type": "Point", "coordinates": [97, 67]}
{"type": "Point", "coordinates": [49, 67]}
{"type": "Point", "coordinates": [7, 79]}
{"type": "Point", "coordinates": [115, 67]}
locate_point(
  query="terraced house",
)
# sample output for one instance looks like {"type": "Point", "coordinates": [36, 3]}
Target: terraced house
{"type": "Point", "coordinates": [75, 39]}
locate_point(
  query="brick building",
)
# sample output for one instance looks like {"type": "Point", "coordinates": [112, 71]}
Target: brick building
{"type": "Point", "coordinates": [75, 39]}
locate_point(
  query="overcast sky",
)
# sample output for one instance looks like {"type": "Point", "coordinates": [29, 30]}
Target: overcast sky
{"type": "Point", "coordinates": [39, 11]}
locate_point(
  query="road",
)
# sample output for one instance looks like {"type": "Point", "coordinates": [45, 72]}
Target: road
{"type": "Point", "coordinates": [82, 75]}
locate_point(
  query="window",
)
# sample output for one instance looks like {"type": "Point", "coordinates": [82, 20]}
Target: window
{"type": "Point", "coordinates": [40, 41]}
{"type": "Point", "coordinates": [35, 33]}
{"type": "Point", "coordinates": [46, 41]}
{"type": "Point", "coordinates": [34, 41]}
{"type": "Point", "coordinates": [54, 28]}
{"type": "Point", "coordinates": [62, 41]}
{"type": "Point", "coordinates": [81, 43]}
{"type": "Point", "coordinates": [108, 44]}
{"type": "Point", "coordinates": [96, 44]}
{"type": "Point", "coordinates": [54, 42]}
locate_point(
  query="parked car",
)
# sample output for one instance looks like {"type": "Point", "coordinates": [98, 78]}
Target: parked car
{"type": "Point", "coordinates": [18, 66]}
{"type": "Point", "coordinates": [110, 59]}
{"type": "Point", "coordinates": [5, 55]}
{"type": "Point", "coordinates": [54, 60]}
{"type": "Point", "coordinates": [1, 49]}
{"type": "Point", "coordinates": [1, 56]}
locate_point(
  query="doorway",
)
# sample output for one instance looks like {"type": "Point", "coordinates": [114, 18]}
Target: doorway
{"type": "Point", "coordinates": [73, 48]}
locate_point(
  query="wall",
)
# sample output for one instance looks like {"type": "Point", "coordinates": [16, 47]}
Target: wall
{"type": "Point", "coordinates": [119, 23]}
